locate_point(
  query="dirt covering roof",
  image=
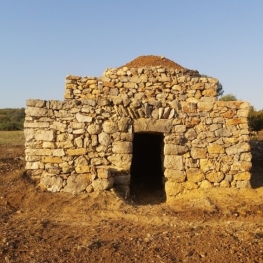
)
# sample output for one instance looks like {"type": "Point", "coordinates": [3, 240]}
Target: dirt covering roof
{"type": "Point", "coordinates": [152, 61]}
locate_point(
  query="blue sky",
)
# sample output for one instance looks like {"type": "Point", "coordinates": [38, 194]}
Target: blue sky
{"type": "Point", "coordinates": [43, 41]}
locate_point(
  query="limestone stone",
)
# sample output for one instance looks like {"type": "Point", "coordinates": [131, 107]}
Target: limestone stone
{"type": "Point", "coordinates": [104, 139]}
{"type": "Point", "coordinates": [58, 152]}
{"type": "Point", "coordinates": [36, 112]}
{"type": "Point", "coordinates": [206, 184]}
{"type": "Point", "coordinates": [47, 159]}
{"type": "Point", "coordinates": [77, 183]}
{"type": "Point", "coordinates": [194, 175]}
{"type": "Point", "coordinates": [173, 162]}
{"type": "Point", "coordinates": [36, 103]}
{"type": "Point", "coordinates": [222, 133]}
{"type": "Point", "coordinates": [198, 153]}
{"type": "Point", "coordinates": [94, 129]}
{"type": "Point", "coordinates": [243, 184]}
{"type": "Point", "coordinates": [148, 125]}
{"type": "Point", "coordinates": [215, 177]}
{"type": "Point", "coordinates": [180, 128]}
{"type": "Point", "coordinates": [173, 188]}
{"type": "Point", "coordinates": [122, 147]}
{"type": "Point", "coordinates": [52, 183]}
{"type": "Point", "coordinates": [83, 118]}
{"type": "Point", "coordinates": [243, 176]}
{"type": "Point", "coordinates": [75, 152]}
{"type": "Point", "coordinates": [82, 169]}
{"type": "Point", "coordinates": [50, 145]}
{"type": "Point", "coordinates": [110, 127]}
{"type": "Point", "coordinates": [236, 121]}
{"type": "Point", "coordinates": [238, 148]}
{"type": "Point", "coordinates": [206, 165]}
{"type": "Point", "coordinates": [191, 134]}
{"type": "Point", "coordinates": [102, 184]}
{"type": "Point", "coordinates": [173, 149]}
{"type": "Point", "coordinates": [78, 131]}
{"type": "Point", "coordinates": [34, 165]}
{"type": "Point", "coordinates": [189, 107]}
{"type": "Point", "coordinates": [224, 184]}
{"type": "Point", "coordinates": [175, 175]}
{"type": "Point", "coordinates": [38, 152]}
{"type": "Point", "coordinates": [190, 185]}
{"type": "Point", "coordinates": [103, 172]}
{"type": "Point", "coordinates": [215, 148]}
{"type": "Point", "coordinates": [121, 160]}
{"type": "Point", "coordinates": [42, 135]}
{"type": "Point", "coordinates": [205, 106]}
{"type": "Point", "coordinates": [29, 134]}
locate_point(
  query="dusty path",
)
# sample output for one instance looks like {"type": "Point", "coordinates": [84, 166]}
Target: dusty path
{"type": "Point", "coordinates": [222, 225]}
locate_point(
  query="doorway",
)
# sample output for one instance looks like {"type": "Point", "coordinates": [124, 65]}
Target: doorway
{"type": "Point", "coordinates": [147, 168]}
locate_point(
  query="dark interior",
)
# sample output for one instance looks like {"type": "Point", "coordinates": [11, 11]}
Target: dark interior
{"type": "Point", "coordinates": [146, 168]}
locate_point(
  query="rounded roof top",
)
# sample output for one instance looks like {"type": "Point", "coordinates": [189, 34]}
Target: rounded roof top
{"type": "Point", "coordinates": [152, 61]}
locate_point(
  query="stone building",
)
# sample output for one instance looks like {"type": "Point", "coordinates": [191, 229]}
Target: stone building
{"type": "Point", "coordinates": [149, 123]}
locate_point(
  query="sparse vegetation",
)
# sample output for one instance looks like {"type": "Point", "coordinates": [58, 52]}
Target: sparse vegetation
{"type": "Point", "coordinates": [255, 119]}
{"type": "Point", "coordinates": [12, 138]}
{"type": "Point", "coordinates": [12, 119]}
{"type": "Point", "coordinates": [228, 97]}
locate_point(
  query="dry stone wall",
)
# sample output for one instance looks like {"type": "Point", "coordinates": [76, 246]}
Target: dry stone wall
{"type": "Point", "coordinates": [85, 142]}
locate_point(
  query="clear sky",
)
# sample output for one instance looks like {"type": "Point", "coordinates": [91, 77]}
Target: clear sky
{"type": "Point", "coordinates": [43, 41]}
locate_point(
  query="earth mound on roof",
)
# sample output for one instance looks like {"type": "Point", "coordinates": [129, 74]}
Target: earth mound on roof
{"type": "Point", "coordinates": [152, 61]}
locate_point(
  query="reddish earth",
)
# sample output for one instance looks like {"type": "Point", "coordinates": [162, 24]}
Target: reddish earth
{"type": "Point", "coordinates": [153, 61]}
{"type": "Point", "coordinates": [220, 225]}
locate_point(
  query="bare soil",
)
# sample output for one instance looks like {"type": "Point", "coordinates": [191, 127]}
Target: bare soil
{"type": "Point", "coordinates": [219, 225]}
{"type": "Point", "coordinates": [152, 61]}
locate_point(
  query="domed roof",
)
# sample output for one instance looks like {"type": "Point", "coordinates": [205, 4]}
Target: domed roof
{"type": "Point", "coordinates": [152, 61]}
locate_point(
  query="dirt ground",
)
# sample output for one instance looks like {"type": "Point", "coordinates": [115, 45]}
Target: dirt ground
{"type": "Point", "coordinates": [220, 225]}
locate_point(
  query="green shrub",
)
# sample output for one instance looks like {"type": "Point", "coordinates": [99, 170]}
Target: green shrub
{"type": "Point", "coordinates": [255, 119]}
{"type": "Point", "coordinates": [12, 119]}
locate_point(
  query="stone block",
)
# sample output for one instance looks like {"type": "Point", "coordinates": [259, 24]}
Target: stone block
{"type": "Point", "coordinates": [36, 103]}
{"type": "Point", "coordinates": [52, 183]}
{"type": "Point", "coordinates": [42, 135]}
{"type": "Point", "coordinates": [173, 162]}
{"type": "Point", "coordinates": [36, 112]}
{"type": "Point", "coordinates": [48, 159]}
{"type": "Point", "coordinates": [172, 149]}
{"type": "Point", "coordinates": [94, 129]}
{"type": "Point", "coordinates": [206, 184]}
{"type": "Point", "coordinates": [121, 160]}
{"type": "Point", "coordinates": [198, 153]}
{"type": "Point", "coordinates": [82, 169]}
{"type": "Point", "coordinates": [77, 183]}
{"type": "Point", "coordinates": [83, 118]}
{"type": "Point", "coordinates": [215, 148]}
{"type": "Point", "coordinates": [122, 147]}
{"type": "Point", "coordinates": [110, 127]}
{"type": "Point", "coordinates": [102, 184]}
{"type": "Point", "coordinates": [215, 177]}
{"type": "Point", "coordinates": [205, 106]}
{"type": "Point", "coordinates": [238, 148]}
{"type": "Point", "coordinates": [175, 175]}
{"type": "Point", "coordinates": [149, 125]}
{"type": "Point", "coordinates": [75, 152]}
{"type": "Point", "coordinates": [173, 188]}
{"type": "Point", "coordinates": [243, 176]}
{"type": "Point", "coordinates": [194, 175]}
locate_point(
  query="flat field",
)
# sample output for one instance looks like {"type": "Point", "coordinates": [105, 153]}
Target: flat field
{"type": "Point", "coordinates": [218, 225]}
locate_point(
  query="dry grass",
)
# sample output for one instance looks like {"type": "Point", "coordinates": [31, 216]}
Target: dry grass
{"type": "Point", "coordinates": [12, 138]}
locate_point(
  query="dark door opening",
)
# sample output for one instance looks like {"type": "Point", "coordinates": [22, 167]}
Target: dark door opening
{"type": "Point", "coordinates": [147, 166]}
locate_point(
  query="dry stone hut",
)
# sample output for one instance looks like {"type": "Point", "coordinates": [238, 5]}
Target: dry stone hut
{"type": "Point", "coordinates": [150, 122]}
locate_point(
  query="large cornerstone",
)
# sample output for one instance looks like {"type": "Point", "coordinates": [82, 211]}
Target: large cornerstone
{"type": "Point", "coordinates": [86, 142]}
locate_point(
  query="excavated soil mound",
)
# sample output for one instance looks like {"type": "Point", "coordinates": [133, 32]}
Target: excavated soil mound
{"type": "Point", "coordinates": [152, 61]}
